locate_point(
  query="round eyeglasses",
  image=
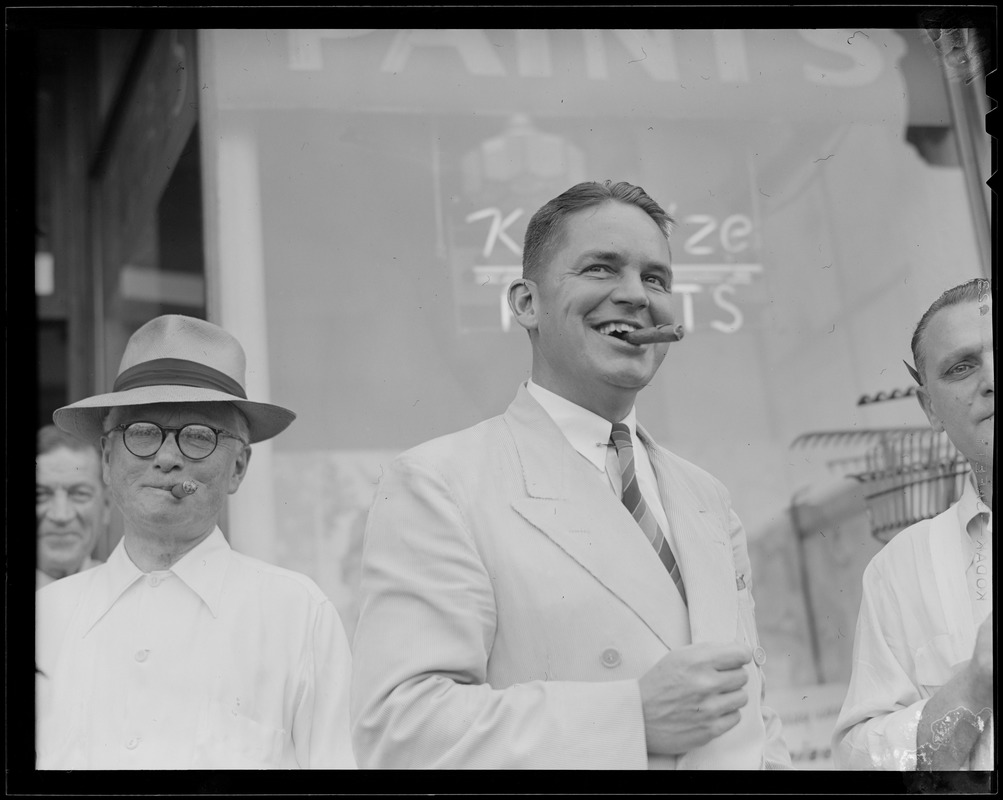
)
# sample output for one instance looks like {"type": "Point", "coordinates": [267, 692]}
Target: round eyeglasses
{"type": "Point", "coordinates": [195, 441]}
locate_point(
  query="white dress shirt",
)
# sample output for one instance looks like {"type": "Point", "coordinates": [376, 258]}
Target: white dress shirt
{"type": "Point", "coordinates": [924, 596]}
{"type": "Point", "coordinates": [589, 434]}
{"type": "Point", "coordinates": [975, 527]}
{"type": "Point", "coordinates": [220, 662]}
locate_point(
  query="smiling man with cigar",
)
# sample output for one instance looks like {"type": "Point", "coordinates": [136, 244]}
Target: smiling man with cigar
{"type": "Point", "coordinates": [179, 653]}
{"type": "Point", "coordinates": [550, 588]}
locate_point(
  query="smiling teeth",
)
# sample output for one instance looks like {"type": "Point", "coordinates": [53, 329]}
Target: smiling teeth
{"type": "Point", "coordinates": [616, 327]}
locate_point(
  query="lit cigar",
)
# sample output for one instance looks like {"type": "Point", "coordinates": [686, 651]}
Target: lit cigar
{"type": "Point", "coordinates": [660, 333]}
{"type": "Point", "coordinates": [180, 490]}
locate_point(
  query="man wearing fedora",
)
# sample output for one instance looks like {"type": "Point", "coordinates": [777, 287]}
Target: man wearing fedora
{"type": "Point", "coordinates": [179, 653]}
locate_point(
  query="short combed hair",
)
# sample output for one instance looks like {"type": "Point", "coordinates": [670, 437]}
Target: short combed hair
{"type": "Point", "coordinates": [972, 291]}
{"type": "Point", "coordinates": [547, 224]}
{"type": "Point", "coordinates": [51, 438]}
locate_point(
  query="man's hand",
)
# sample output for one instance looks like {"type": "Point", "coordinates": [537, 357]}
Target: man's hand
{"type": "Point", "coordinates": [954, 718]}
{"type": "Point", "coordinates": [694, 695]}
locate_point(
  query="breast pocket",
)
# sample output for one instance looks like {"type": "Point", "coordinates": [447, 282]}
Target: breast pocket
{"type": "Point", "coordinates": [227, 739]}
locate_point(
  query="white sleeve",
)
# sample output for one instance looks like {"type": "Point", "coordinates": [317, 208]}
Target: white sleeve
{"type": "Point", "coordinates": [321, 729]}
{"type": "Point", "coordinates": [420, 696]}
{"type": "Point", "coordinates": [876, 728]}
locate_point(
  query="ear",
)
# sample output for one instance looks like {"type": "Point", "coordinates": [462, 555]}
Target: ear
{"type": "Point", "coordinates": [923, 395]}
{"type": "Point", "coordinates": [105, 508]}
{"type": "Point", "coordinates": [523, 301]}
{"type": "Point", "coordinates": [240, 465]}
{"type": "Point", "coordinates": [106, 460]}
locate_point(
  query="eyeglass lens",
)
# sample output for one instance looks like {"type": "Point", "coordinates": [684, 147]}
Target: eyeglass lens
{"type": "Point", "coordinates": [145, 438]}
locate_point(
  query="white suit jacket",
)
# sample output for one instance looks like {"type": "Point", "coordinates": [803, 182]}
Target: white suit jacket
{"type": "Point", "coordinates": [509, 603]}
{"type": "Point", "coordinates": [915, 631]}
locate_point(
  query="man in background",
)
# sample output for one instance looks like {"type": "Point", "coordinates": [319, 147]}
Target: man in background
{"type": "Point", "coordinates": [71, 506]}
{"type": "Point", "coordinates": [921, 688]}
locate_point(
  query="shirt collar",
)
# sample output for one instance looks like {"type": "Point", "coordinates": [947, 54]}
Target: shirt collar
{"type": "Point", "coordinates": [202, 569]}
{"type": "Point", "coordinates": [970, 505]}
{"type": "Point", "coordinates": [973, 516]}
{"type": "Point", "coordinates": [587, 432]}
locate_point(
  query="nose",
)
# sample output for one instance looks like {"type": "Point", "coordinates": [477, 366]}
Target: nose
{"type": "Point", "coordinates": [630, 290]}
{"type": "Point", "coordinates": [59, 509]}
{"type": "Point", "coordinates": [169, 455]}
{"type": "Point", "coordinates": [988, 381]}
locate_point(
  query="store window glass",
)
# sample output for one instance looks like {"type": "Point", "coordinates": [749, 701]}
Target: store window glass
{"type": "Point", "coordinates": [147, 190]}
{"type": "Point", "coordinates": [145, 184]}
{"type": "Point", "coordinates": [369, 190]}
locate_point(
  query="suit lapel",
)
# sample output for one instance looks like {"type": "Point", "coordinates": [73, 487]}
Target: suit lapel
{"type": "Point", "coordinates": [702, 548]}
{"type": "Point", "coordinates": [569, 501]}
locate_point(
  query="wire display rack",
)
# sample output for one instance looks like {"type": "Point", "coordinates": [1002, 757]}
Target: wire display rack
{"type": "Point", "coordinates": [909, 474]}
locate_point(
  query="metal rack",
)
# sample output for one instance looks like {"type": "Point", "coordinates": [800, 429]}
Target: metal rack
{"type": "Point", "coordinates": [910, 474]}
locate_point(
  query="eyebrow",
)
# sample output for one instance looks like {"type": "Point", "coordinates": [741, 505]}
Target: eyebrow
{"type": "Point", "coordinates": [952, 358]}
{"type": "Point", "coordinates": [602, 255]}
{"type": "Point", "coordinates": [616, 258]}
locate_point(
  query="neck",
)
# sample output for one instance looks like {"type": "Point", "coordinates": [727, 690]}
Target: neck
{"type": "Point", "coordinates": [157, 550]}
{"type": "Point", "coordinates": [612, 405]}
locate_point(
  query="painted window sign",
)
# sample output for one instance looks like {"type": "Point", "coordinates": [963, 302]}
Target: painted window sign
{"type": "Point", "coordinates": [664, 54]}
{"type": "Point", "coordinates": [491, 191]}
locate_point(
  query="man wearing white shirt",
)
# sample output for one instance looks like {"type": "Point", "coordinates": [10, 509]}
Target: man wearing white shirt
{"type": "Point", "coordinates": [179, 653]}
{"type": "Point", "coordinates": [921, 688]}
{"type": "Point", "coordinates": [550, 588]}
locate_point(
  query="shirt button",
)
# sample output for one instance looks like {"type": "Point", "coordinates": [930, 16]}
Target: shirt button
{"type": "Point", "coordinates": [153, 580]}
{"type": "Point", "coordinates": [133, 743]}
{"type": "Point", "coordinates": [610, 658]}
{"type": "Point", "coordinates": [759, 656]}
{"type": "Point", "coordinates": [141, 655]}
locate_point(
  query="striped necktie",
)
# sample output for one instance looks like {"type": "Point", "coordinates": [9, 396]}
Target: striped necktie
{"type": "Point", "coordinates": [634, 501]}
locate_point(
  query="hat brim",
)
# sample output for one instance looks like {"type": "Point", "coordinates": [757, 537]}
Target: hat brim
{"type": "Point", "coordinates": [85, 418]}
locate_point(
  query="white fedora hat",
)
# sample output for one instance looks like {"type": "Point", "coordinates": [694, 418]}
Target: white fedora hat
{"type": "Point", "coordinates": [177, 359]}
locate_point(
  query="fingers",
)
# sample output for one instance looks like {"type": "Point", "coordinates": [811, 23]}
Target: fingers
{"type": "Point", "coordinates": [729, 702]}
{"type": "Point", "coordinates": [725, 723]}
{"type": "Point", "coordinates": [694, 694]}
{"type": "Point", "coordinates": [729, 656]}
{"type": "Point", "coordinates": [732, 679]}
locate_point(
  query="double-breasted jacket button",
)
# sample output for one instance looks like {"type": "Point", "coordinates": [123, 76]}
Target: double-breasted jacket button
{"type": "Point", "coordinates": [759, 656]}
{"type": "Point", "coordinates": [611, 658]}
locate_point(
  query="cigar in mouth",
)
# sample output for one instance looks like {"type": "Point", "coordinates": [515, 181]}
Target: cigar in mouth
{"type": "Point", "coordinates": [184, 489]}
{"type": "Point", "coordinates": [660, 333]}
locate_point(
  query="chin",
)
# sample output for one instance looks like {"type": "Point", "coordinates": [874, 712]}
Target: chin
{"type": "Point", "coordinates": [633, 381]}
